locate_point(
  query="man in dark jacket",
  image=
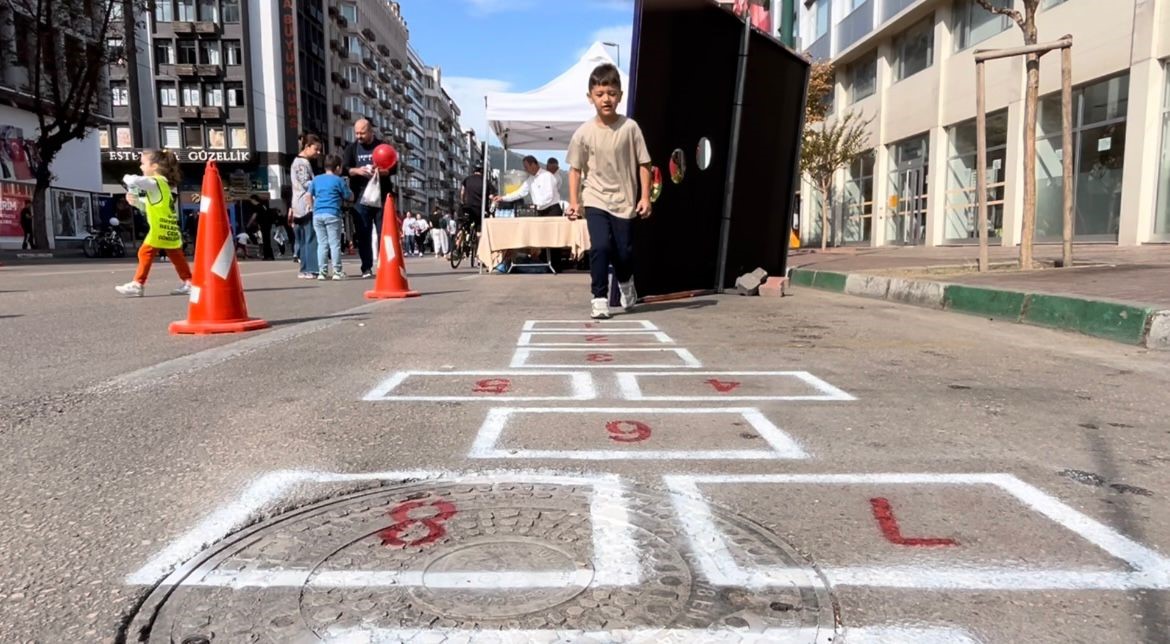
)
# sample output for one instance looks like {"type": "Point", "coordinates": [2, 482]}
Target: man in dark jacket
{"type": "Point", "coordinates": [357, 163]}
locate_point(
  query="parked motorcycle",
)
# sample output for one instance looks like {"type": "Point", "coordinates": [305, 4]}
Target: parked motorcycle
{"type": "Point", "coordinates": [106, 241]}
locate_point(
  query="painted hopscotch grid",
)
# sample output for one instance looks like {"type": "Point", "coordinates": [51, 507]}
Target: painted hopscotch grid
{"type": "Point", "coordinates": [687, 360]}
{"type": "Point", "coordinates": [782, 445]}
{"type": "Point", "coordinates": [580, 385]}
{"type": "Point", "coordinates": [587, 325]}
{"type": "Point", "coordinates": [615, 553]}
{"type": "Point", "coordinates": [628, 383]}
{"type": "Point", "coordinates": [620, 338]}
{"type": "Point", "coordinates": [726, 635]}
{"type": "Point", "coordinates": [1151, 570]}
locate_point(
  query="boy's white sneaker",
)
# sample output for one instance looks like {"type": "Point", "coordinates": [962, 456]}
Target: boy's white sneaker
{"type": "Point", "coordinates": [182, 289]}
{"type": "Point", "coordinates": [629, 295]}
{"type": "Point", "coordinates": [600, 309]}
{"type": "Point", "coordinates": [131, 289]}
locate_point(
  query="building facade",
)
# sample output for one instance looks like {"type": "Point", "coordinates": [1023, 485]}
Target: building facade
{"type": "Point", "coordinates": [909, 66]}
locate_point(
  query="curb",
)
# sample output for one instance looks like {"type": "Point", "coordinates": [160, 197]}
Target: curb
{"type": "Point", "coordinates": [1125, 323]}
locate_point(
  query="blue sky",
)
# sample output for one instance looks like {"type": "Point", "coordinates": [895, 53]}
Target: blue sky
{"type": "Point", "coordinates": [487, 46]}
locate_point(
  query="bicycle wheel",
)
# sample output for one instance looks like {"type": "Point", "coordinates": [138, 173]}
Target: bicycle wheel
{"type": "Point", "coordinates": [89, 247]}
{"type": "Point", "coordinates": [456, 256]}
{"type": "Point", "coordinates": [119, 248]}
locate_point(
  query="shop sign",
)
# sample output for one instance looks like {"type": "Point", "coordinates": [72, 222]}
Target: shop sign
{"type": "Point", "coordinates": [185, 156]}
{"type": "Point", "coordinates": [13, 198]}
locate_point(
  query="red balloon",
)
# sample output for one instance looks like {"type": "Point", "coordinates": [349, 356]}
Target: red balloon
{"type": "Point", "coordinates": [385, 156]}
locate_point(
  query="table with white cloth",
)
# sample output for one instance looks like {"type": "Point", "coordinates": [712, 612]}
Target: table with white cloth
{"type": "Point", "coordinates": [503, 234]}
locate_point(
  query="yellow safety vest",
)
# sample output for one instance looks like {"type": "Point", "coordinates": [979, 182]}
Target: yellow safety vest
{"type": "Point", "coordinates": [164, 221]}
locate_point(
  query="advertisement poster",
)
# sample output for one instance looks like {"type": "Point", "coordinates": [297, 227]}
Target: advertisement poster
{"type": "Point", "coordinates": [72, 213]}
{"type": "Point", "coordinates": [14, 197]}
{"type": "Point", "coordinates": [18, 155]}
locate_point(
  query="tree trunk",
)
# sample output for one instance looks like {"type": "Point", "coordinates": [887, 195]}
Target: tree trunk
{"type": "Point", "coordinates": [1031, 107]}
{"type": "Point", "coordinates": [825, 206]}
{"type": "Point", "coordinates": [42, 226]}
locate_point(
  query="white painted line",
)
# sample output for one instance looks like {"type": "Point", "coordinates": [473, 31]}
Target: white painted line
{"type": "Point", "coordinates": [620, 337]}
{"type": "Point", "coordinates": [586, 325]}
{"type": "Point", "coordinates": [1151, 570]}
{"type": "Point", "coordinates": [726, 635]}
{"type": "Point", "coordinates": [486, 441]}
{"type": "Point", "coordinates": [522, 355]}
{"type": "Point", "coordinates": [628, 384]}
{"type": "Point", "coordinates": [151, 376]}
{"type": "Point", "coordinates": [288, 578]}
{"type": "Point", "coordinates": [580, 385]}
{"type": "Point", "coordinates": [615, 559]}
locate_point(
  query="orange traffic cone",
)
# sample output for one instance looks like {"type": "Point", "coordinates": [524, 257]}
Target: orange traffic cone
{"type": "Point", "coordinates": [391, 283]}
{"type": "Point", "coordinates": [217, 295]}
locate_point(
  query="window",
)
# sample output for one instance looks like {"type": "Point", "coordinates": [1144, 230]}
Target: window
{"type": "Point", "coordinates": [122, 137]}
{"type": "Point", "coordinates": [974, 24]}
{"type": "Point", "coordinates": [168, 96]}
{"type": "Point", "coordinates": [914, 49]}
{"type": "Point", "coordinates": [240, 137]}
{"type": "Point", "coordinates": [213, 96]}
{"type": "Point", "coordinates": [120, 94]}
{"type": "Point", "coordinates": [1162, 214]}
{"type": "Point", "coordinates": [170, 137]}
{"type": "Point", "coordinates": [821, 11]}
{"type": "Point", "coordinates": [209, 10]}
{"type": "Point", "coordinates": [164, 52]}
{"type": "Point", "coordinates": [349, 12]}
{"type": "Point", "coordinates": [186, 10]}
{"type": "Point", "coordinates": [188, 52]}
{"type": "Point", "coordinates": [193, 136]}
{"type": "Point", "coordinates": [116, 51]}
{"type": "Point", "coordinates": [1099, 132]}
{"type": "Point", "coordinates": [232, 52]}
{"type": "Point", "coordinates": [215, 138]}
{"type": "Point", "coordinates": [104, 138]}
{"type": "Point", "coordinates": [190, 93]}
{"type": "Point", "coordinates": [164, 11]}
{"type": "Point", "coordinates": [231, 11]}
{"type": "Point", "coordinates": [962, 208]}
{"type": "Point", "coordinates": [209, 53]}
{"type": "Point", "coordinates": [859, 200]}
{"type": "Point", "coordinates": [235, 94]}
{"type": "Point", "coordinates": [862, 78]}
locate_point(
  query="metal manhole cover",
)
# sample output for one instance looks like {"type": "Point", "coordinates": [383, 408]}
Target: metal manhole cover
{"type": "Point", "coordinates": [382, 565]}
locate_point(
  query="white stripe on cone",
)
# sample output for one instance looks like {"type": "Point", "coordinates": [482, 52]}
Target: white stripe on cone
{"type": "Point", "coordinates": [223, 262]}
{"type": "Point", "coordinates": [195, 293]}
{"type": "Point", "coordinates": [204, 205]}
{"type": "Point", "coordinates": [390, 254]}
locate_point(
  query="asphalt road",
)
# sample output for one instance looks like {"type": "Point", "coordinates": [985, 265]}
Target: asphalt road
{"type": "Point", "coordinates": [924, 477]}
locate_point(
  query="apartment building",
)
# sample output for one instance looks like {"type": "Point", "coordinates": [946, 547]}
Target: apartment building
{"type": "Point", "coordinates": [446, 167]}
{"type": "Point", "coordinates": [909, 66]}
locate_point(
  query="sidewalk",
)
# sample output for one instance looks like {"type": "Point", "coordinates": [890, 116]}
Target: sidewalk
{"type": "Point", "coordinates": [1120, 294]}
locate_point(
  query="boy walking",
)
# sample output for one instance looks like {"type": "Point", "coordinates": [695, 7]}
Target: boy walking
{"type": "Point", "coordinates": [609, 184]}
{"type": "Point", "coordinates": [327, 192]}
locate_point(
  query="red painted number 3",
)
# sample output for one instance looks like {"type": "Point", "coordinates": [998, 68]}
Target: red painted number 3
{"type": "Point", "coordinates": [493, 386]}
{"type": "Point", "coordinates": [599, 357]}
{"type": "Point", "coordinates": [417, 530]}
{"type": "Point", "coordinates": [627, 431]}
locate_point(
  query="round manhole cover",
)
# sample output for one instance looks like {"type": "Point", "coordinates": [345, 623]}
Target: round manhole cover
{"type": "Point", "coordinates": [387, 564]}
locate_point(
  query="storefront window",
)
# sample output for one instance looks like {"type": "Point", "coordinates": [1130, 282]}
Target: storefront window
{"type": "Point", "coordinates": [962, 214]}
{"type": "Point", "coordinates": [1099, 147]}
{"type": "Point", "coordinates": [1162, 214]}
{"type": "Point", "coordinates": [908, 191]}
{"type": "Point", "coordinates": [859, 200]}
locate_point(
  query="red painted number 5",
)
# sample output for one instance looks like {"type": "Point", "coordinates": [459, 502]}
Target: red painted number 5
{"type": "Point", "coordinates": [627, 431]}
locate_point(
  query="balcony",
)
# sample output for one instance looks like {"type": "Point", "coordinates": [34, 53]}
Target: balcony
{"type": "Point", "coordinates": [183, 27]}
{"type": "Point", "coordinates": [369, 34]}
{"type": "Point", "coordinates": [894, 7]}
{"type": "Point", "coordinates": [397, 63]}
{"type": "Point", "coordinates": [207, 28]}
{"type": "Point", "coordinates": [384, 50]}
{"type": "Point", "coordinates": [188, 112]}
{"type": "Point", "coordinates": [208, 70]}
{"type": "Point", "coordinates": [383, 76]}
{"type": "Point", "coordinates": [213, 112]}
{"type": "Point", "coordinates": [370, 91]}
{"type": "Point", "coordinates": [855, 26]}
{"type": "Point", "coordinates": [821, 49]}
{"type": "Point", "coordinates": [369, 62]}
{"type": "Point", "coordinates": [386, 103]}
{"type": "Point", "coordinates": [186, 71]}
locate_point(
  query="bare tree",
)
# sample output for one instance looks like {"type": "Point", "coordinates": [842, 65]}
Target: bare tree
{"type": "Point", "coordinates": [67, 46]}
{"type": "Point", "coordinates": [1027, 24]}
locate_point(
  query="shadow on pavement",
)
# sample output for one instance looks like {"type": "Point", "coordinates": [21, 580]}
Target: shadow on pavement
{"type": "Point", "coordinates": [278, 288]}
{"type": "Point", "coordinates": [678, 304]}
{"type": "Point", "coordinates": [5, 317]}
{"type": "Point", "coordinates": [345, 316]}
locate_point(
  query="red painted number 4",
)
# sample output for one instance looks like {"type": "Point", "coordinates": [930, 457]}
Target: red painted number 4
{"type": "Point", "coordinates": [884, 513]}
{"type": "Point", "coordinates": [723, 386]}
{"type": "Point", "coordinates": [627, 431]}
{"type": "Point", "coordinates": [599, 357]}
{"type": "Point", "coordinates": [417, 530]}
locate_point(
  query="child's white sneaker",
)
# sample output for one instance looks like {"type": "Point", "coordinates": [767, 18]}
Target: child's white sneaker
{"type": "Point", "coordinates": [131, 289]}
{"type": "Point", "coordinates": [629, 295]}
{"type": "Point", "coordinates": [600, 309]}
{"type": "Point", "coordinates": [182, 289]}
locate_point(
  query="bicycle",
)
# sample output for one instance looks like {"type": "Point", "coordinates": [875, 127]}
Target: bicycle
{"type": "Point", "coordinates": [465, 245]}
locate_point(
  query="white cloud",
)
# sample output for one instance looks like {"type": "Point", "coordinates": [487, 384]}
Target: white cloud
{"type": "Point", "coordinates": [620, 35]}
{"type": "Point", "coordinates": [484, 7]}
{"type": "Point", "coordinates": [468, 93]}
{"type": "Point", "coordinates": [613, 5]}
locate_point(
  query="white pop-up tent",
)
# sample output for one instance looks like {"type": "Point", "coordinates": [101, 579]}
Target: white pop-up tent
{"type": "Point", "coordinates": [546, 118]}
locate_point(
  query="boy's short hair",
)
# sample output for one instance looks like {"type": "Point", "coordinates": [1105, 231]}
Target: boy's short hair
{"type": "Point", "coordinates": [332, 162]}
{"type": "Point", "coordinates": [531, 159]}
{"type": "Point", "coordinates": [553, 161]}
{"type": "Point", "coordinates": [606, 75]}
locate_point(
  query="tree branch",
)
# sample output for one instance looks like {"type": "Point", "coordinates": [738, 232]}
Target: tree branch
{"type": "Point", "coordinates": [1016, 16]}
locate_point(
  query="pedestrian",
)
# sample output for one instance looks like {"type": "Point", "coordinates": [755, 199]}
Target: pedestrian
{"type": "Point", "coordinates": [422, 229]}
{"type": "Point", "coordinates": [442, 234]}
{"type": "Point", "coordinates": [302, 213]}
{"type": "Point", "coordinates": [327, 193]}
{"type": "Point", "coordinates": [260, 223]}
{"type": "Point", "coordinates": [358, 166]}
{"type": "Point", "coordinates": [408, 233]}
{"type": "Point", "coordinates": [160, 171]}
{"type": "Point", "coordinates": [609, 161]}
{"type": "Point", "coordinates": [26, 227]}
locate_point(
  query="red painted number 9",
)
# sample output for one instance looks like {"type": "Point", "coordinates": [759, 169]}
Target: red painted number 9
{"type": "Point", "coordinates": [627, 431]}
{"type": "Point", "coordinates": [404, 523]}
{"type": "Point", "coordinates": [599, 357]}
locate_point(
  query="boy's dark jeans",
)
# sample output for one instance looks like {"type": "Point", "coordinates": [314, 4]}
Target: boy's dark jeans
{"type": "Point", "coordinates": [611, 242]}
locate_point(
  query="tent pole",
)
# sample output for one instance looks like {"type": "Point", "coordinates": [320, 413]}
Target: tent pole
{"type": "Point", "coordinates": [483, 147]}
{"type": "Point", "coordinates": [732, 154]}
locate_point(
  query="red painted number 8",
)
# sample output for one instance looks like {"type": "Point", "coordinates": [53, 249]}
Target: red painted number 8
{"type": "Point", "coordinates": [435, 530]}
{"type": "Point", "coordinates": [599, 357]}
{"type": "Point", "coordinates": [627, 431]}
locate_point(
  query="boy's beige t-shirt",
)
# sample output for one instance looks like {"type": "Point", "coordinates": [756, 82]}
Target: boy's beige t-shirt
{"type": "Point", "coordinates": [608, 157]}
